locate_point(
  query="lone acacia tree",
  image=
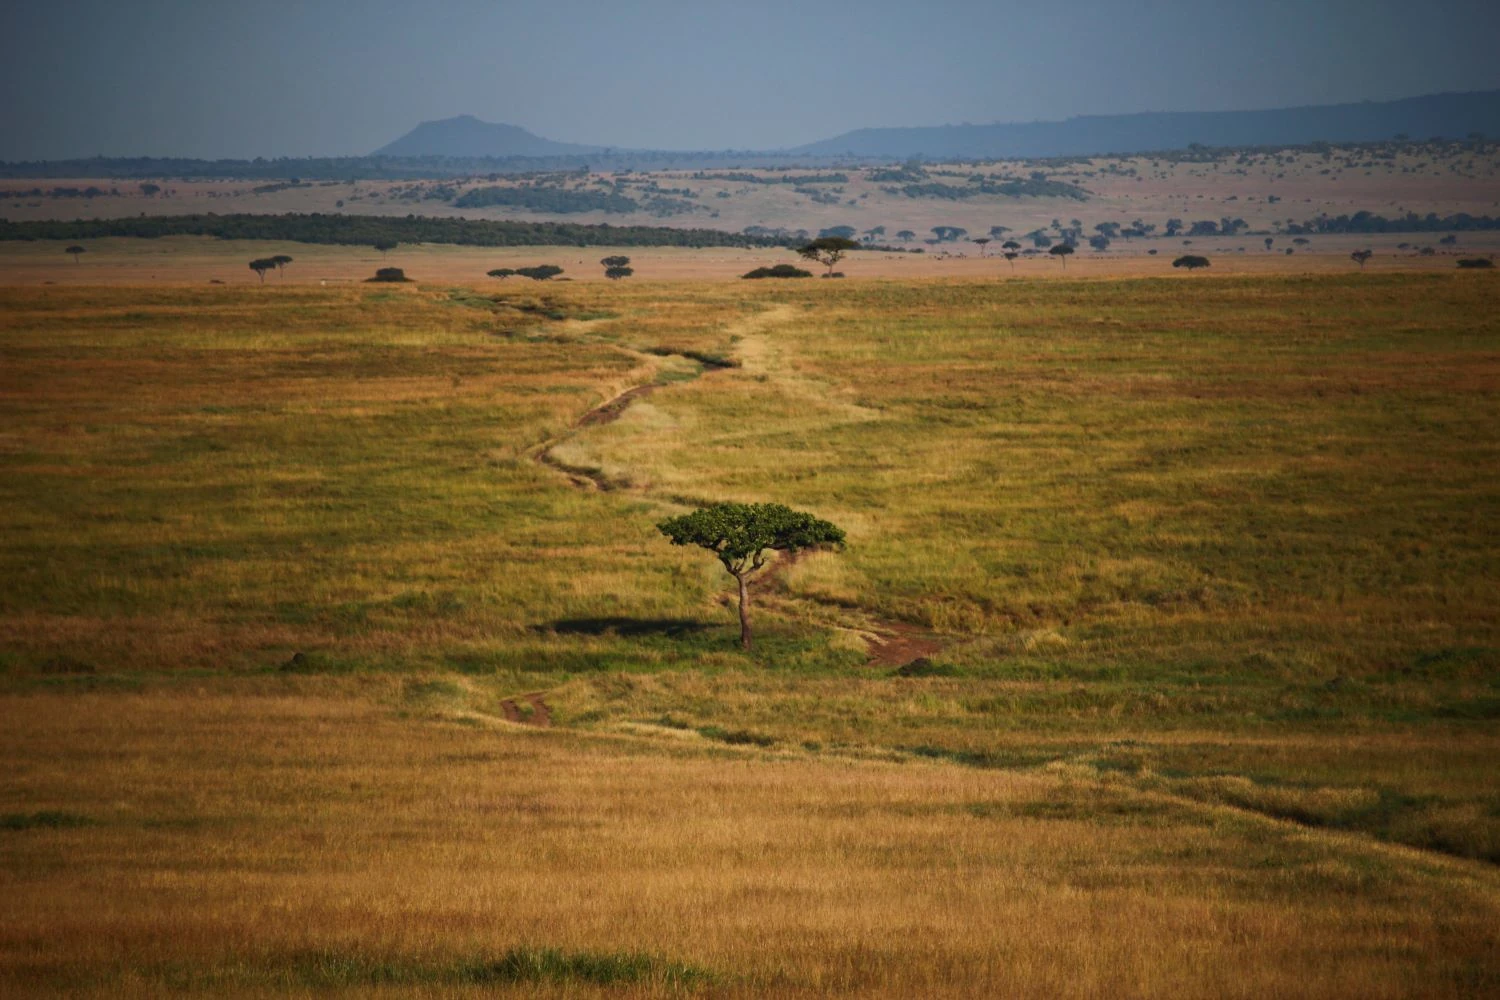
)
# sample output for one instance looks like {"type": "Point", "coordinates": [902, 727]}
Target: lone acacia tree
{"type": "Point", "coordinates": [281, 260]}
{"type": "Point", "coordinates": [1061, 252]}
{"type": "Point", "coordinates": [261, 265]}
{"type": "Point", "coordinates": [828, 251]}
{"type": "Point", "coordinates": [1360, 256]}
{"type": "Point", "coordinates": [740, 534]}
{"type": "Point", "coordinates": [617, 267]}
{"type": "Point", "coordinates": [75, 250]}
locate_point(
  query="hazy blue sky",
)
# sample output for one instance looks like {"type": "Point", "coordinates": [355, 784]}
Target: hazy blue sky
{"type": "Point", "coordinates": [212, 78]}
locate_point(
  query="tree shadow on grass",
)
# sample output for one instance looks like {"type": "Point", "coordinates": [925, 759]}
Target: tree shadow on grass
{"type": "Point", "coordinates": [632, 628]}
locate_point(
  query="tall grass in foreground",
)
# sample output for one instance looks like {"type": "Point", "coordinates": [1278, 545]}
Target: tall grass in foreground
{"type": "Point", "coordinates": [331, 846]}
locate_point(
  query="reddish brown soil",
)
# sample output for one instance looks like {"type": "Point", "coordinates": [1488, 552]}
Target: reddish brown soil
{"type": "Point", "coordinates": [900, 643]}
{"type": "Point", "coordinates": [541, 715]}
{"type": "Point", "coordinates": [609, 412]}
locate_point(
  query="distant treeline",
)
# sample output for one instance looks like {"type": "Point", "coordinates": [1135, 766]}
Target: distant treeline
{"type": "Point", "coordinates": [367, 230]}
{"type": "Point", "coordinates": [734, 177]}
{"type": "Point", "coordinates": [1031, 188]}
{"type": "Point", "coordinates": [547, 199]}
{"type": "Point", "coordinates": [393, 168]}
{"type": "Point", "coordinates": [1411, 222]}
{"type": "Point", "coordinates": [11, 194]}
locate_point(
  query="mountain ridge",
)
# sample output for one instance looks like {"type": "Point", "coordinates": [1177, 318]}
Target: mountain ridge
{"type": "Point", "coordinates": [465, 136]}
{"type": "Point", "coordinates": [1453, 115]}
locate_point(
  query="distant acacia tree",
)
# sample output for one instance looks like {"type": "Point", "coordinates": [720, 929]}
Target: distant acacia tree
{"type": "Point", "coordinates": [148, 189]}
{"type": "Point", "coordinates": [281, 260]}
{"type": "Point", "coordinates": [261, 265]}
{"type": "Point", "coordinates": [542, 272]}
{"type": "Point", "coordinates": [980, 241]}
{"type": "Point", "coordinates": [617, 267]}
{"type": "Point", "coordinates": [949, 234]}
{"type": "Point", "coordinates": [828, 251]}
{"type": "Point", "coordinates": [1360, 256]}
{"type": "Point", "coordinates": [384, 246]}
{"type": "Point", "coordinates": [75, 250]}
{"type": "Point", "coordinates": [741, 534]}
{"type": "Point", "coordinates": [1270, 240]}
{"type": "Point", "coordinates": [998, 231]}
{"type": "Point", "coordinates": [1011, 256]}
{"type": "Point", "coordinates": [1062, 252]}
{"type": "Point", "coordinates": [1190, 261]}
{"type": "Point", "coordinates": [1100, 242]}
{"type": "Point", "coordinates": [906, 236]}
{"type": "Point", "coordinates": [501, 272]}
{"type": "Point", "coordinates": [837, 232]}
{"type": "Point", "coordinates": [873, 233]}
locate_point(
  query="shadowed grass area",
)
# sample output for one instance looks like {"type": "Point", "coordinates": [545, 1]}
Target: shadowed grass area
{"type": "Point", "coordinates": [516, 967]}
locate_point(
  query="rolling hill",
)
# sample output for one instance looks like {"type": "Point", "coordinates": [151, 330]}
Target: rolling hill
{"type": "Point", "coordinates": [1437, 115]}
{"type": "Point", "coordinates": [467, 137]}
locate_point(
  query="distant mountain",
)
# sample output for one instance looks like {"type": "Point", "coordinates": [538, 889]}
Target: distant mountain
{"type": "Point", "coordinates": [467, 137]}
{"type": "Point", "coordinates": [1450, 116]}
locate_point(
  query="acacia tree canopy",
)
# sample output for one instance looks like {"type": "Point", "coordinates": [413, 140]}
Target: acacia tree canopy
{"type": "Point", "coordinates": [828, 250]}
{"type": "Point", "coordinates": [740, 535]}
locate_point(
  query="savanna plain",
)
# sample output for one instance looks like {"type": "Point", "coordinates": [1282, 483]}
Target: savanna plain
{"type": "Point", "coordinates": [340, 654]}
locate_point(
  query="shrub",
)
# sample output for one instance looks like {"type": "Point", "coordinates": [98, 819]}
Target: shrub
{"type": "Point", "coordinates": [779, 271]}
{"type": "Point", "coordinates": [389, 274]}
{"type": "Point", "coordinates": [542, 272]}
{"type": "Point", "coordinates": [1476, 262]}
{"type": "Point", "coordinates": [1190, 261]}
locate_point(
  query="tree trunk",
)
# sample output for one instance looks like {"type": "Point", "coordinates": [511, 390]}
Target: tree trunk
{"type": "Point", "coordinates": [744, 612]}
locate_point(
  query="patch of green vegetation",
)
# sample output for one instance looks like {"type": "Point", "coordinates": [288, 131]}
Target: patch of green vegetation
{"type": "Point", "coordinates": [520, 966]}
{"type": "Point", "coordinates": [47, 819]}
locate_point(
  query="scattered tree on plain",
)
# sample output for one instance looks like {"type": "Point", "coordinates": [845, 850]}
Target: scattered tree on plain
{"type": "Point", "coordinates": [617, 267]}
{"type": "Point", "coordinates": [501, 272]}
{"type": "Point", "coordinates": [1011, 256]}
{"type": "Point", "coordinates": [541, 272]}
{"type": "Point", "coordinates": [906, 236]}
{"type": "Point", "coordinates": [261, 265]}
{"type": "Point", "coordinates": [949, 234]}
{"type": "Point", "coordinates": [1061, 252]}
{"type": "Point", "coordinates": [384, 246]}
{"type": "Point", "coordinates": [281, 260]}
{"type": "Point", "coordinates": [1360, 256]}
{"type": "Point", "coordinates": [75, 250]}
{"type": "Point", "coordinates": [828, 251]}
{"type": "Point", "coordinates": [741, 534]}
{"type": "Point", "coordinates": [1190, 261]}
{"type": "Point", "coordinates": [1476, 263]}
{"type": "Point", "coordinates": [778, 271]}
{"type": "Point", "coordinates": [980, 241]}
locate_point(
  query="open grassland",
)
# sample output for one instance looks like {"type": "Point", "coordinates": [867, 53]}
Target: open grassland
{"type": "Point", "coordinates": [1211, 563]}
{"type": "Point", "coordinates": [308, 841]}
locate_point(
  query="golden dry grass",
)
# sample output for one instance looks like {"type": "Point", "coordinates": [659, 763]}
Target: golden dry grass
{"type": "Point", "coordinates": [296, 838]}
{"type": "Point", "coordinates": [1210, 558]}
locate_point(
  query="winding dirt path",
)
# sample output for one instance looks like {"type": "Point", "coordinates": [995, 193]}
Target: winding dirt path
{"type": "Point", "coordinates": [893, 643]}
{"type": "Point", "coordinates": [539, 714]}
